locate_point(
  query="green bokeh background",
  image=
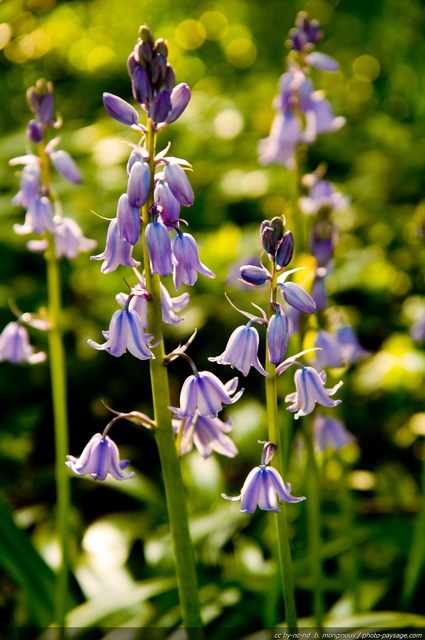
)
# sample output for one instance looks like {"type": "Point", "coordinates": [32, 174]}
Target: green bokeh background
{"type": "Point", "coordinates": [231, 54]}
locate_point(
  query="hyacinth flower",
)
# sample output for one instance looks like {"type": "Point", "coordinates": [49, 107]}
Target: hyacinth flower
{"type": "Point", "coordinates": [15, 346]}
{"type": "Point", "coordinates": [323, 196]}
{"type": "Point", "coordinates": [310, 388]}
{"type": "Point", "coordinates": [242, 350]}
{"type": "Point", "coordinates": [58, 237]}
{"type": "Point", "coordinates": [117, 251]}
{"type": "Point", "coordinates": [186, 264]}
{"type": "Point", "coordinates": [330, 433]}
{"type": "Point", "coordinates": [126, 333]}
{"type": "Point", "coordinates": [138, 303]}
{"type": "Point", "coordinates": [207, 433]}
{"type": "Point", "coordinates": [100, 457]}
{"type": "Point", "coordinates": [264, 487]}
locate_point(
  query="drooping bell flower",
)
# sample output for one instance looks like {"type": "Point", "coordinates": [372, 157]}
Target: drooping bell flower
{"type": "Point", "coordinates": [186, 261]}
{"type": "Point", "coordinates": [330, 433]}
{"type": "Point", "coordinates": [277, 335]}
{"type": "Point", "coordinates": [205, 393]}
{"type": "Point", "coordinates": [126, 333]}
{"type": "Point", "coordinates": [310, 388]}
{"type": "Point", "coordinates": [15, 345]}
{"type": "Point", "coordinates": [207, 434]}
{"type": "Point", "coordinates": [242, 350]}
{"type": "Point", "coordinates": [117, 251]}
{"type": "Point", "coordinates": [100, 457]}
{"type": "Point", "coordinates": [159, 248]}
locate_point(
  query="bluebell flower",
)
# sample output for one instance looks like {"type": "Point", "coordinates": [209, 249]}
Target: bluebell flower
{"type": "Point", "coordinates": [330, 353]}
{"type": "Point", "coordinates": [138, 184]}
{"type": "Point", "coordinates": [187, 264]}
{"type": "Point", "coordinates": [320, 117]}
{"type": "Point", "coordinates": [323, 195]}
{"type": "Point", "coordinates": [121, 110]}
{"type": "Point", "coordinates": [69, 240]}
{"type": "Point", "coordinates": [178, 182]}
{"type": "Point", "coordinates": [277, 335]}
{"type": "Point", "coordinates": [351, 349]}
{"type": "Point", "coordinates": [330, 433]}
{"type": "Point", "coordinates": [30, 183]}
{"type": "Point", "coordinates": [15, 345]}
{"type": "Point", "coordinates": [280, 146]}
{"type": "Point", "coordinates": [117, 251]}
{"type": "Point", "coordinates": [295, 295]}
{"type": "Point", "coordinates": [159, 248]}
{"type": "Point", "coordinates": [251, 274]}
{"type": "Point", "coordinates": [263, 487]}
{"type": "Point", "coordinates": [179, 99]}
{"type": "Point", "coordinates": [170, 306]}
{"type": "Point", "coordinates": [321, 61]}
{"type": "Point", "coordinates": [310, 388]}
{"type": "Point", "coordinates": [205, 393]}
{"type": "Point", "coordinates": [169, 206]}
{"type": "Point", "coordinates": [38, 218]}
{"type": "Point", "coordinates": [128, 219]}
{"type": "Point", "coordinates": [207, 434]}
{"type": "Point", "coordinates": [322, 242]}
{"type": "Point", "coordinates": [126, 332]}
{"type": "Point", "coordinates": [65, 165]}
{"type": "Point", "coordinates": [160, 106]}
{"type": "Point", "coordinates": [242, 350]}
{"type": "Point", "coordinates": [100, 457]}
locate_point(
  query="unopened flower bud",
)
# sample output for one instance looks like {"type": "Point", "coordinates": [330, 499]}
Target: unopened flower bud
{"type": "Point", "coordinates": [160, 106]}
{"type": "Point", "coordinates": [131, 64]}
{"type": "Point", "coordinates": [254, 275]}
{"type": "Point", "coordinates": [285, 250]}
{"type": "Point", "coordinates": [161, 47]}
{"type": "Point", "coordinates": [120, 109]}
{"type": "Point", "coordinates": [179, 100]}
{"type": "Point", "coordinates": [34, 132]}
{"type": "Point", "coordinates": [158, 70]}
{"type": "Point", "coordinates": [145, 34]}
{"type": "Point", "coordinates": [271, 232]}
{"type": "Point", "coordinates": [141, 85]}
{"type": "Point", "coordinates": [169, 78]}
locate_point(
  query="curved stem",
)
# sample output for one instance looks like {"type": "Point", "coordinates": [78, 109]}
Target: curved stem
{"type": "Point", "coordinates": [281, 522]}
{"type": "Point", "coordinates": [170, 463]}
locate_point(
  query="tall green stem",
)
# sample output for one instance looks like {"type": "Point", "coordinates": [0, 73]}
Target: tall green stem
{"type": "Point", "coordinates": [170, 463]}
{"type": "Point", "coordinates": [281, 521]}
{"type": "Point", "coordinates": [416, 557]}
{"type": "Point", "coordinates": [60, 415]}
{"type": "Point", "coordinates": [314, 525]}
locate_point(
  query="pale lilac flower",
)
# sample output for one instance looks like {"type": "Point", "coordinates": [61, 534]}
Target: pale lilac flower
{"type": "Point", "coordinates": [138, 184]}
{"type": "Point", "coordinates": [170, 306]}
{"type": "Point", "coordinates": [187, 264]}
{"type": "Point", "coordinates": [128, 219]}
{"type": "Point", "coordinates": [320, 118]}
{"type": "Point", "coordinates": [65, 165]}
{"type": "Point", "coordinates": [126, 332]}
{"type": "Point", "coordinates": [330, 433]}
{"type": "Point", "coordinates": [117, 252]}
{"type": "Point", "coordinates": [178, 182]}
{"type": "Point", "coordinates": [321, 61]}
{"type": "Point", "coordinates": [280, 146]}
{"type": "Point", "coordinates": [69, 240]}
{"type": "Point", "coordinates": [39, 218]}
{"type": "Point", "coordinates": [322, 241]}
{"type": "Point", "coordinates": [263, 487]}
{"type": "Point", "coordinates": [207, 434]}
{"type": "Point", "coordinates": [179, 99]}
{"type": "Point", "coordinates": [242, 350]}
{"type": "Point", "coordinates": [323, 195]}
{"type": "Point", "coordinates": [205, 393]}
{"type": "Point", "coordinates": [30, 183]}
{"type": "Point", "coordinates": [277, 335]}
{"type": "Point", "coordinates": [100, 457]}
{"type": "Point", "coordinates": [169, 206]}
{"type": "Point", "coordinates": [351, 349]}
{"type": "Point", "coordinates": [159, 248]}
{"type": "Point", "coordinates": [330, 354]}
{"type": "Point", "coordinates": [310, 388]}
{"type": "Point", "coordinates": [295, 295]}
{"type": "Point", "coordinates": [15, 345]}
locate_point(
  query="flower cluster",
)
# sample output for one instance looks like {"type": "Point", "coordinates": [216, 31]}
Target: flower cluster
{"type": "Point", "coordinates": [33, 194]}
{"type": "Point", "coordinates": [302, 112]}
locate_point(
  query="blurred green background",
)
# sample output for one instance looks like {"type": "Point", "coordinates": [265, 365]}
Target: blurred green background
{"type": "Point", "coordinates": [231, 54]}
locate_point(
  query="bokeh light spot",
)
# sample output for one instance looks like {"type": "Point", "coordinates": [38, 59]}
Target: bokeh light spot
{"type": "Point", "coordinates": [366, 68]}
{"type": "Point", "coordinates": [190, 34]}
{"type": "Point", "coordinates": [241, 52]}
{"type": "Point", "coordinates": [228, 123]}
{"type": "Point", "coordinates": [215, 24]}
{"type": "Point", "coordinates": [5, 34]}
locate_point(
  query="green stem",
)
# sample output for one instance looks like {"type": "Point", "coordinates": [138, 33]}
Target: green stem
{"type": "Point", "coordinates": [57, 363]}
{"type": "Point", "coordinates": [170, 463]}
{"type": "Point", "coordinates": [279, 461]}
{"type": "Point", "coordinates": [314, 526]}
{"type": "Point", "coordinates": [353, 569]}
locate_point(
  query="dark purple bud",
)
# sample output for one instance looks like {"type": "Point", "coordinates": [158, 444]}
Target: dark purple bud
{"type": "Point", "coordinates": [141, 85]}
{"type": "Point", "coordinates": [285, 250]}
{"type": "Point", "coordinates": [161, 47]}
{"type": "Point", "coordinates": [143, 53]}
{"type": "Point", "coordinates": [271, 232]}
{"type": "Point", "coordinates": [145, 34]}
{"type": "Point", "coordinates": [268, 452]}
{"type": "Point", "coordinates": [128, 219]}
{"type": "Point", "coordinates": [138, 184]}
{"type": "Point", "coordinates": [158, 69]}
{"type": "Point", "coordinates": [254, 275]}
{"type": "Point", "coordinates": [120, 109]}
{"type": "Point", "coordinates": [179, 100]}
{"type": "Point", "coordinates": [170, 78]}
{"type": "Point", "coordinates": [131, 63]}
{"type": "Point", "coordinates": [33, 99]}
{"type": "Point", "coordinates": [34, 132]}
{"type": "Point", "coordinates": [314, 33]}
{"type": "Point", "coordinates": [160, 106]}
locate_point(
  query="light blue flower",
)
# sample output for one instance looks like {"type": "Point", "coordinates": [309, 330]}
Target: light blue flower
{"type": "Point", "coordinates": [330, 433]}
{"type": "Point", "coordinates": [100, 457]}
{"type": "Point", "coordinates": [15, 345]}
{"type": "Point", "coordinates": [263, 487]}
{"type": "Point", "coordinates": [39, 217]}
{"type": "Point", "coordinates": [310, 388]}
{"type": "Point", "coordinates": [117, 251]}
{"type": "Point", "coordinates": [125, 333]}
{"type": "Point", "coordinates": [205, 393]}
{"type": "Point", "coordinates": [242, 350]}
{"type": "Point", "coordinates": [207, 434]}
